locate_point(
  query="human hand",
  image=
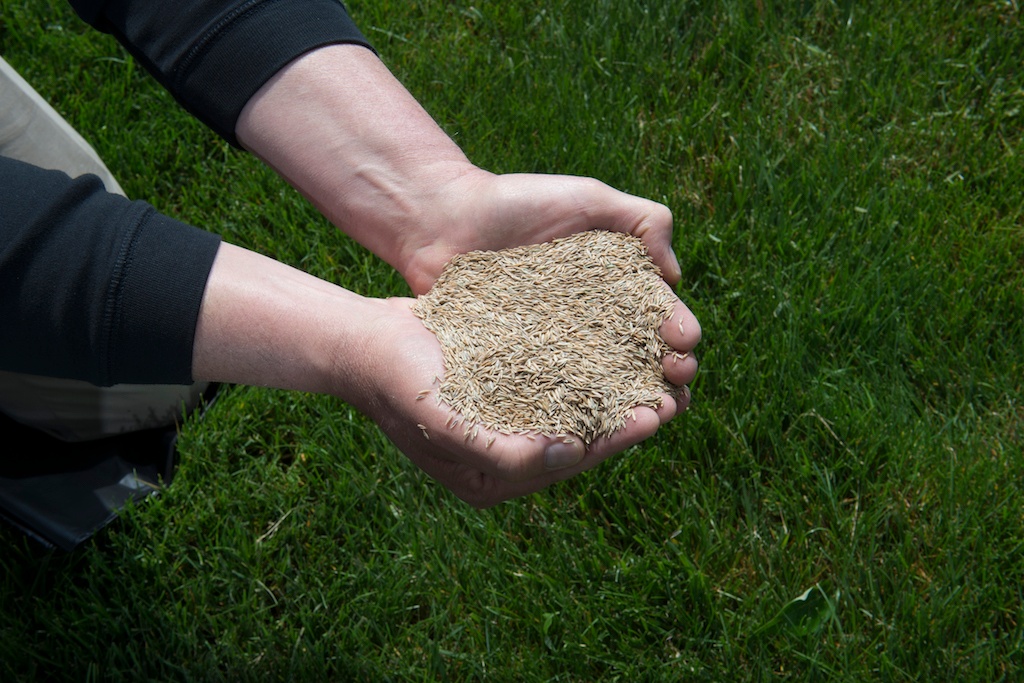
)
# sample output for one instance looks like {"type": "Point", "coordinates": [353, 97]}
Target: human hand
{"type": "Point", "coordinates": [471, 209]}
{"type": "Point", "coordinates": [492, 467]}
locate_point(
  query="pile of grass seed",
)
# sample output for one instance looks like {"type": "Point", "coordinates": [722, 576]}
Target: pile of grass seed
{"type": "Point", "coordinates": [555, 338]}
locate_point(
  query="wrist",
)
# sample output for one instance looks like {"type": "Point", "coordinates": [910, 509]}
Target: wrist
{"type": "Point", "coordinates": [264, 323]}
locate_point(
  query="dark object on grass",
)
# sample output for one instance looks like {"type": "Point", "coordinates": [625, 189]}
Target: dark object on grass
{"type": "Point", "coordinates": [61, 494]}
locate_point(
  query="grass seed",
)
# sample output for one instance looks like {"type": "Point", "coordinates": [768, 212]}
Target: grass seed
{"type": "Point", "coordinates": [554, 338]}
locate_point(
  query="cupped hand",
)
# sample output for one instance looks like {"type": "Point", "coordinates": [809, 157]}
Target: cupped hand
{"type": "Point", "coordinates": [477, 210]}
{"type": "Point", "coordinates": [489, 467]}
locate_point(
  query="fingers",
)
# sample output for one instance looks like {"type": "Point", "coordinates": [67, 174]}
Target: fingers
{"type": "Point", "coordinates": [680, 368]}
{"type": "Point", "coordinates": [654, 228]}
{"type": "Point", "coordinates": [643, 423]}
{"type": "Point", "coordinates": [642, 218]}
{"type": "Point", "coordinates": [484, 468]}
{"type": "Point", "coordinates": [510, 457]}
{"type": "Point", "coordinates": [492, 467]}
{"type": "Point", "coordinates": [682, 332]}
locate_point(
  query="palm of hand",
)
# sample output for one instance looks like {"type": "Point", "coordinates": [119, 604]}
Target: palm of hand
{"type": "Point", "coordinates": [484, 470]}
{"type": "Point", "coordinates": [482, 211]}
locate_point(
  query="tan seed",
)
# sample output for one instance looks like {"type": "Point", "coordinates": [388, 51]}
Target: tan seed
{"type": "Point", "coordinates": [555, 338]}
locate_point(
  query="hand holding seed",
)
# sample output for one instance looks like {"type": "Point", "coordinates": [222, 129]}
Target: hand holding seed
{"type": "Point", "coordinates": [477, 210]}
{"type": "Point", "coordinates": [492, 417]}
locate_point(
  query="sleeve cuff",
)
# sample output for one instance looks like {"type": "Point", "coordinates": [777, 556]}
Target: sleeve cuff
{"type": "Point", "coordinates": [232, 61]}
{"type": "Point", "coordinates": [155, 307]}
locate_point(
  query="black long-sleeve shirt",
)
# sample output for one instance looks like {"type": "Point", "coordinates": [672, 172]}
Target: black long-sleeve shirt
{"type": "Point", "coordinates": [94, 286]}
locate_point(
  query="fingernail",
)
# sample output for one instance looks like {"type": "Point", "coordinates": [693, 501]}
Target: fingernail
{"type": "Point", "coordinates": [560, 455]}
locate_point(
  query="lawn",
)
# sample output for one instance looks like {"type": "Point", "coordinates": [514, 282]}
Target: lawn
{"type": "Point", "coordinates": [844, 500]}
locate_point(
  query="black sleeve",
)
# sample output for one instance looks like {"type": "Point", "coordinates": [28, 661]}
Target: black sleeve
{"type": "Point", "coordinates": [213, 55]}
{"type": "Point", "coordinates": [94, 286]}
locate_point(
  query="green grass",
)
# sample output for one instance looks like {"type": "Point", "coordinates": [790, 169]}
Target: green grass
{"type": "Point", "coordinates": [847, 184]}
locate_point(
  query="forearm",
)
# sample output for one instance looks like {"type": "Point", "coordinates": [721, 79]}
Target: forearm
{"type": "Point", "coordinates": [296, 83]}
{"type": "Point", "coordinates": [339, 127]}
{"type": "Point", "coordinates": [265, 323]}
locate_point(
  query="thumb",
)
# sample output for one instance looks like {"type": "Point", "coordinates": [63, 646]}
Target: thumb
{"type": "Point", "coordinates": [647, 220]}
{"type": "Point", "coordinates": [563, 453]}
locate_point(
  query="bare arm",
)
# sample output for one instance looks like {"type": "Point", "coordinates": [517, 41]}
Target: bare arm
{"type": "Point", "coordinates": [264, 323]}
{"type": "Point", "coordinates": [339, 126]}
